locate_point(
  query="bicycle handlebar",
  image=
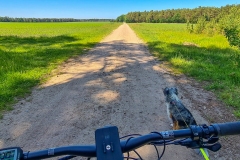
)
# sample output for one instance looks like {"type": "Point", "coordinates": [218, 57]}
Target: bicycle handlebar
{"type": "Point", "coordinates": [230, 128]}
{"type": "Point", "coordinates": [204, 131]}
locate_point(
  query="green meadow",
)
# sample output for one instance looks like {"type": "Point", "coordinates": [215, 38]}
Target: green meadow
{"type": "Point", "coordinates": [30, 51]}
{"type": "Point", "coordinates": [206, 58]}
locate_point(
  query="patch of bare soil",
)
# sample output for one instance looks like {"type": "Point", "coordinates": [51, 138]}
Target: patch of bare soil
{"type": "Point", "coordinates": [118, 83]}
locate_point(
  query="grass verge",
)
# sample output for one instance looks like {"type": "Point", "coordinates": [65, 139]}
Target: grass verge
{"type": "Point", "coordinates": [205, 58]}
{"type": "Point", "coordinates": [28, 51]}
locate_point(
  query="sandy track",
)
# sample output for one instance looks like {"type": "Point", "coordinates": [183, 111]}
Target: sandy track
{"type": "Point", "coordinates": [118, 82]}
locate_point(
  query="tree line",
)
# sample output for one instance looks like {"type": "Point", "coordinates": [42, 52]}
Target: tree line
{"type": "Point", "coordinates": [10, 19]}
{"type": "Point", "coordinates": [176, 15]}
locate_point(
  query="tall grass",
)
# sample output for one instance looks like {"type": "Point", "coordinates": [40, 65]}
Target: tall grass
{"type": "Point", "coordinates": [205, 58]}
{"type": "Point", "coordinates": [28, 51]}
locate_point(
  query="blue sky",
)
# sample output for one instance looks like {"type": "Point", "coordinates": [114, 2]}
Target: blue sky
{"type": "Point", "coordinates": [95, 8]}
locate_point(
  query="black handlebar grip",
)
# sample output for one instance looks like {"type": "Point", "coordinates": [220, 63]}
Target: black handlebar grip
{"type": "Point", "coordinates": [229, 128]}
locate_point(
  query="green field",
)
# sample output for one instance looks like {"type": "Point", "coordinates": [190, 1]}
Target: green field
{"type": "Point", "coordinates": [28, 51]}
{"type": "Point", "coordinates": [208, 59]}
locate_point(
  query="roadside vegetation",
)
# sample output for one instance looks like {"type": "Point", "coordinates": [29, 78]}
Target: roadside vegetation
{"type": "Point", "coordinates": [209, 20]}
{"type": "Point", "coordinates": [30, 51]}
{"type": "Point", "coordinates": [206, 58]}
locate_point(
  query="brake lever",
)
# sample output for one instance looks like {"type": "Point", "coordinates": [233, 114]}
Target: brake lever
{"type": "Point", "coordinates": [214, 147]}
{"type": "Point", "coordinates": [212, 140]}
{"type": "Point", "coordinates": [193, 144]}
{"type": "Point", "coordinates": [211, 144]}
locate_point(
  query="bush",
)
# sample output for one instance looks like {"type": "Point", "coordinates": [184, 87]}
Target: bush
{"type": "Point", "coordinates": [211, 28]}
{"type": "Point", "coordinates": [189, 27]}
{"type": "Point", "coordinates": [230, 24]}
{"type": "Point", "coordinates": [201, 24]}
{"type": "Point", "coordinates": [233, 36]}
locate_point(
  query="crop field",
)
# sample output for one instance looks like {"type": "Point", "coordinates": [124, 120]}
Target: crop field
{"type": "Point", "coordinates": [206, 58]}
{"type": "Point", "coordinates": [28, 51]}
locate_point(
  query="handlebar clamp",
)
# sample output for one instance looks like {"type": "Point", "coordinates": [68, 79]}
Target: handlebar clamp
{"type": "Point", "coordinates": [195, 134]}
{"type": "Point", "coordinates": [205, 131]}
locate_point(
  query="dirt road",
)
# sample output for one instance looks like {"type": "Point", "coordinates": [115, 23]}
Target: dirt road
{"type": "Point", "coordinates": [119, 83]}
